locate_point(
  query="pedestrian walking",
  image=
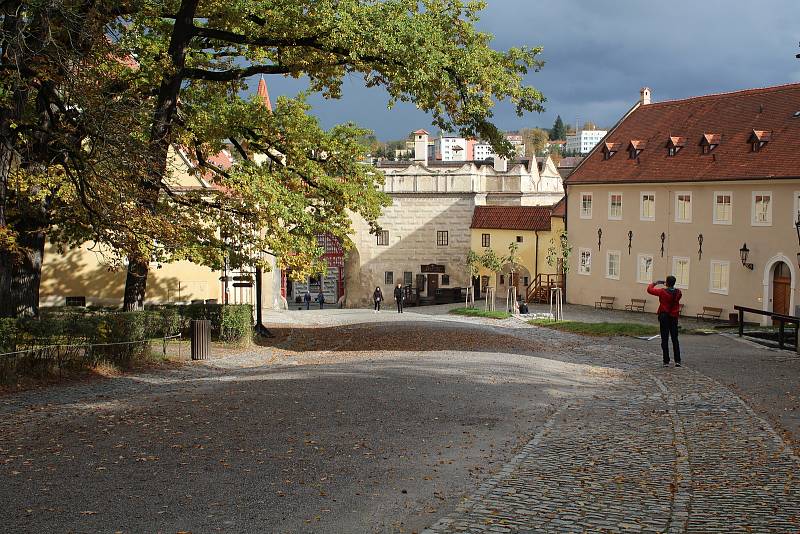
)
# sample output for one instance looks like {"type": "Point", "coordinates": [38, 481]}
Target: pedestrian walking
{"type": "Point", "coordinates": [398, 297]}
{"type": "Point", "coordinates": [377, 298]}
{"type": "Point", "coordinates": [669, 307]}
{"type": "Point", "coordinates": [321, 299]}
{"type": "Point", "coordinates": [307, 299]}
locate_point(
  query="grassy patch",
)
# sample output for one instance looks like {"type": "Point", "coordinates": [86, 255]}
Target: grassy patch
{"type": "Point", "coordinates": [477, 312]}
{"type": "Point", "coordinates": [599, 329]}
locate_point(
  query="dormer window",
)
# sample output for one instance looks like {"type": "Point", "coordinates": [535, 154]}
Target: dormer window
{"type": "Point", "coordinates": [759, 139]}
{"type": "Point", "coordinates": [709, 142]}
{"type": "Point", "coordinates": [609, 149]}
{"type": "Point", "coordinates": [635, 148]}
{"type": "Point", "coordinates": [675, 144]}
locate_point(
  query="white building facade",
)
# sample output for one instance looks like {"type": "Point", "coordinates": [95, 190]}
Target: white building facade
{"type": "Point", "coordinates": [584, 141]}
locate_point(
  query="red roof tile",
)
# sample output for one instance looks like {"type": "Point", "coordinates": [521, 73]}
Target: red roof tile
{"type": "Point", "coordinates": [560, 208]}
{"type": "Point", "coordinates": [734, 118]}
{"type": "Point", "coordinates": [511, 217]}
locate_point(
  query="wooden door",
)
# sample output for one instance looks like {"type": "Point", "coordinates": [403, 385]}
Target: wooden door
{"type": "Point", "coordinates": [433, 284]}
{"type": "Point", "coordinates": [781, 288]}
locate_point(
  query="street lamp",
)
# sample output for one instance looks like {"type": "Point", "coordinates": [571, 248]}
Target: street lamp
{"type": "Point", "coordinates": [743, 252]}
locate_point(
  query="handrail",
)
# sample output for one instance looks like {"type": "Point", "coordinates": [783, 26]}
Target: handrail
{"type": "Point", "coordinates": [781, 318]}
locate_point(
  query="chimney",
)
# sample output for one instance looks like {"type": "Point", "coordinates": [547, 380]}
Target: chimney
{"type": "Point", "coordinates": [644, 96]}
{"type": "Point", "coordinates": [500, 164]}
{"type": "Point", "coordinates": [421, 146]}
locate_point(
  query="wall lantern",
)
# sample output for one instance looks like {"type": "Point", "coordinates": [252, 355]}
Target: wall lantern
{"type": "Point", "coordinates": [663, 237]}
{"type": "Point", "coordinates": [630, 238]}
{"type": "Point", "coordinates": [743, 252]}
{"type": "Point", "coordinates": [599, 237]}
{"type": "Point", "coordinates": [700, 250]}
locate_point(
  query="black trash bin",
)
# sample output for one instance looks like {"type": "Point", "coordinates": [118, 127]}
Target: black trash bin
{"type": "Point", "coordinates": [201, 339]}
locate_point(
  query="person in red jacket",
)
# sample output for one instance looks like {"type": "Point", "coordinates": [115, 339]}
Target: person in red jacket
{"type": "Point", "coordinates": [669, 299]}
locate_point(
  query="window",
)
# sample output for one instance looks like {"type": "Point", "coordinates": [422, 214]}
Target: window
{"type": "Point", "coordinates": [525, 281]}
{"type": "Point", "coordinates": [441, 238]}
{"type": "Point", "coordinates": [762, 208]}
{"type": "Point", "coordinates": [683, 207]}
{"type": "Point", "coordinates": [673, 150]}
{"type": "Point", "coordinates": [76, 301]}
{"type": "Point", "coordinates": [615, 206]}
{"type": "Point", "coordinates": [644, 268]}
{"type": "Point", "coordinates": [723, 213]}
{"type": "Point", "coordinates": [502, 279]}
{"type": "Point", "coordinates": [519, 239]}
{"type": "Point", "coordinates": [407, 278]}
{"type": "Point", "coordinates": [486, 240]}
{"type": "Point", "coordinates": [680, 270]}
{"type": "Point", "coordinates": [586, 205]}
{"type": "Point", "coordinates": [720, 273]}
{"type": "Point", "coordinates": [388, 277]}
{"type": "Point", "coordinates": [585, 261]}
{"type": "Point", "coordinates": [796, 212]}
{"type": "Point", "coordinates": [383, 238]}
{"type": "Point", "coordinates": [647, 206]}
{"type": "Point", "coordinates": [612, 264]}
{"type": "Point", "coordinates": [445, 279]}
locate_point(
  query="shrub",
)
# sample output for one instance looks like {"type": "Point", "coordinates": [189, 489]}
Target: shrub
{"type": "Point", "coordinates": [236, 324]}
{"type": "Point", "coordinates": [8, 335]}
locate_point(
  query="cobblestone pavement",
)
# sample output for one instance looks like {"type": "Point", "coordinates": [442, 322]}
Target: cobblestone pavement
{"type": "Point", "coordinates": [665, 450]}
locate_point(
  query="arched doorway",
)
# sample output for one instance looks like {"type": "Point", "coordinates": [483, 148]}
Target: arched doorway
{"type": "Point", "coordinates": [781, 288]}
{"type": "Point", "coordinates": [519, 278]}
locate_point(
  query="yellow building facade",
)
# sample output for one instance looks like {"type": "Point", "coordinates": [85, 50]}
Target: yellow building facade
{"type": "Point", "coordinates": [534, 229]}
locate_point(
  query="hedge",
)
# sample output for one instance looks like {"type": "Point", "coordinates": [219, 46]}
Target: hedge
{"type": "Point", "coordinates": [58, 339]}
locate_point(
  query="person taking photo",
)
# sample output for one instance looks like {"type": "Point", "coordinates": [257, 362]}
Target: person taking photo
{"type": "Point", "coordinates": [669, 308]}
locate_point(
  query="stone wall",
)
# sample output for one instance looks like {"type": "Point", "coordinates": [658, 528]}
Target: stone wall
{"type": "Point", "coordinates": [412, 222]}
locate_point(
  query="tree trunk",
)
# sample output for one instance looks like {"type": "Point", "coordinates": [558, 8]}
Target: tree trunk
{"type": "Point", "coordinates": [160, 139]}
{"type": "Point", "coordinates": [136, 284]}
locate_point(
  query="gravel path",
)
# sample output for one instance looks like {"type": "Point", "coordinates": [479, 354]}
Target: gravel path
{"type": "Point", "coordinates": [361, 422]}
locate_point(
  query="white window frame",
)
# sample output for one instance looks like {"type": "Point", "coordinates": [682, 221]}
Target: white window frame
{"type": "Point", "coordinates": [642, 216]}
{"type": "Point", "coordinates": [714, 208]}
{"type": "Point", "coordinates": [588, 271]}
{"type": "Point", "coordinates": [722, 290]}
{"type": "Point", "coordinates": [679, 194]}
{"type": "Point", "coordinates": [615, 217]}
{"type": "Point", "coordinates": [753, 221]}
{"type": "Point", "coordinates": [639, 258]}
{"type": "Point", "coordinates": [618, 254]}
{"type": "Point", "coordinates": [675, 260]}
{"type": "Point", "coordinates": [584, 215]}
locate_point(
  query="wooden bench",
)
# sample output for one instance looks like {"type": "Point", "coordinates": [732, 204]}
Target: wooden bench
{"type": "Point", "coordinates": [636, 305]}
{"type": "Point", "coordinates": [605, 302]}
{"type": "Point", "coordinates": [709, 312]}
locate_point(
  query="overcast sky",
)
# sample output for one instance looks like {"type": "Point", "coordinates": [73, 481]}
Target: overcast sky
{"type": "Point", "coordinates": [599, 54]}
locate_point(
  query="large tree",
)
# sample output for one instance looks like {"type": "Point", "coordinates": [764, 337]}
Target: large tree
{"type": "Point", "coordinates": [193, 61]}
{"type": "Point", "coordinates": [558, 132]}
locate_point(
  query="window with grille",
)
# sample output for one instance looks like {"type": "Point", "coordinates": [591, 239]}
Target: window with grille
{"type": "Point", "coordinates": [442, 238]}
{"type": "Point", "coordinates": [408, 277]}
{"type": "Point", "coordinates": [383, 238]}
{"type": "Point", "coordinates": [585, 261]}
{"type": "Point", "coordinates": [76, 301]}
{"type": "Point", "coordinates": [388, 277]}
{"type": "Point", "coordinates": [486, 240]}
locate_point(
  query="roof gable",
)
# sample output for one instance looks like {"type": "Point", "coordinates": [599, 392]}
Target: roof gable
{"type": "Point", "coordinates": [530, 218]}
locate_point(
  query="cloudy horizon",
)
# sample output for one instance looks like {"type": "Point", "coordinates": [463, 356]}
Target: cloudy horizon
{"type": "Point", "coordinates": [598, 56]}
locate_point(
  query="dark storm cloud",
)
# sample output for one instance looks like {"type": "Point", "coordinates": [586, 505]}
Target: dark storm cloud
{"type": "Point", "coordinates": [599, 54]}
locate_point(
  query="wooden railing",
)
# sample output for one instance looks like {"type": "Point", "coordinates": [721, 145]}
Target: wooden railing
{"type": "Point", "coordinates": [539, 289]}
{"type": "Point", "coordinates": [782, 320]}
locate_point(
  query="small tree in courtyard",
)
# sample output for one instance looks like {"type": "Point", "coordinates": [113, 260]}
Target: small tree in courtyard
{"type": "Point", "coordinates": [492, 262]}
{"type": "Point", "coordinates": [473, 264]}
